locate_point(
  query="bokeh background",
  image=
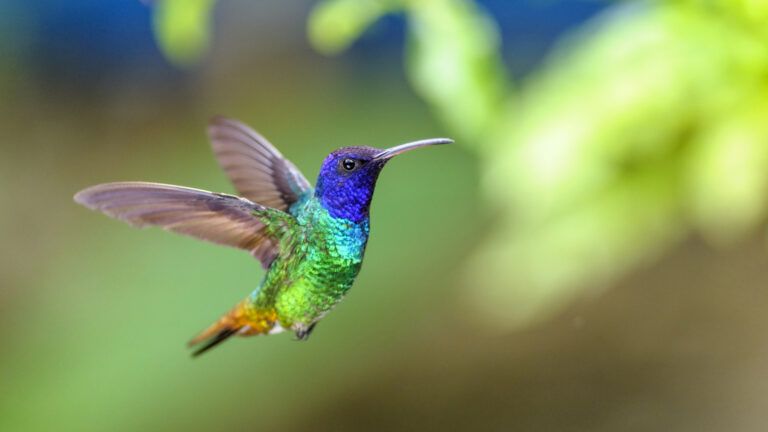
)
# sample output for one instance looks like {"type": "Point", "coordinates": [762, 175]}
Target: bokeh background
{"type": "Point", "coordinates": [590, 255]}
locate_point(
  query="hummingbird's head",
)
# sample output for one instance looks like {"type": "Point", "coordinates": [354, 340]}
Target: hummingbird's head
{"type": "Point", "coordinates": [348, 176]}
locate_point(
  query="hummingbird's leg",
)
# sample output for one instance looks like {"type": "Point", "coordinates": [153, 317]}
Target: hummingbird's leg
{"type": "Point", "coordinates": [302, 334]}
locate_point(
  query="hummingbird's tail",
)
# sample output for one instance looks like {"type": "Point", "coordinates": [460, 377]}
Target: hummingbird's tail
{"type": "Point", "coordinates": [211, 342]}
{"type": "Point", "coordinates": [215, 334]}
{"type": "Point", "coordinates": [240, 320]}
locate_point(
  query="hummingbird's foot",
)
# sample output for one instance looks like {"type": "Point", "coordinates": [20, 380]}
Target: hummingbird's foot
{"type": "Point", "coordinates": [302, 334]}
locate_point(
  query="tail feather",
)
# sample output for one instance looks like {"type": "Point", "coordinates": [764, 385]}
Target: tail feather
{"type": "Point", "coordinates": [225, 327]}
{"type": "Point", "coordinates": [220, 337]}
{"type": "Point", "coordinates": [236, 321]}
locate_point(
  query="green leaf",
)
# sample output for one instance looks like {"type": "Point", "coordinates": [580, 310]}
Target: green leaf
{"type": "Point", "coordinates": [182, 29]}
{"type": "Point", "coordinates": [334, 24]}
{"type": "Point", "coordinates": [647, 125]}
{"type": "Point", "coordinates": [454, 63]}
{"type": "Point", "coordinates": [728, 174]}
{"type": "Point", "coordinates": [524, 274]}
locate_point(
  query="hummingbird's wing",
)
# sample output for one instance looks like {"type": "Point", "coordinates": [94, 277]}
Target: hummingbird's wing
{"type": "Point", "coordinates": [257, 169]}
{"type": "Point", "coordinates": [218, 218]}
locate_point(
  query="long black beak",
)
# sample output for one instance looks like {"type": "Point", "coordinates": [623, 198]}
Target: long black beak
{"type": "Point", "coordinates": [402, 148]}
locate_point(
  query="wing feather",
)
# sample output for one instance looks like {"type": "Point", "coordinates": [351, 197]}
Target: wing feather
{"type": "Point", "coordinates": [256, 168]}
{"type": "Point", "coordinates": [218, 218]}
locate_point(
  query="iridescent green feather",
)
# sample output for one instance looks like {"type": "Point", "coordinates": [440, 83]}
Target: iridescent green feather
{"type": "Point", "coordinates": [320, 256]}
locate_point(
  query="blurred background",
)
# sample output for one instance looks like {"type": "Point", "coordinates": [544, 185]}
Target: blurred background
{"type": "Point", "coordinates": [590, 256]}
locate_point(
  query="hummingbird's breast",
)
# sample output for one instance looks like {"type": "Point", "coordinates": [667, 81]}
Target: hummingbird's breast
{"type": "Point", "coordinates": [329, 253]}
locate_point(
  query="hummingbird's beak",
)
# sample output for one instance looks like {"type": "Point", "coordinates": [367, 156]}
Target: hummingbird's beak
{"type": "Point", "coordinates": [402, 148]}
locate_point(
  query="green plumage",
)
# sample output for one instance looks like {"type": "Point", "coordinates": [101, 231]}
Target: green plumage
{"type": "Point", "coordinates": [319, 258]}
{"type": "Point", "coordinates": [310, 241]}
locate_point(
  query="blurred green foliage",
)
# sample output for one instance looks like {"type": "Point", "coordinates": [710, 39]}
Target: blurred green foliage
{"type": "Point", "coordinates": [336, 24]}
{"type": "Point", "coordinates": [182, 29]}
{"type": "Point", "coordinates": [452, 54]}
{"type": "Point", "coordinates": [640, 129]}
{"type": "Point", "coordinates": [647, 124]}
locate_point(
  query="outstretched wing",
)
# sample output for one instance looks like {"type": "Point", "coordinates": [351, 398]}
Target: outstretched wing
{"type": "Point", "coordinates": [257, 169]}
{"type": "Point", "coordinates": [218, 218]}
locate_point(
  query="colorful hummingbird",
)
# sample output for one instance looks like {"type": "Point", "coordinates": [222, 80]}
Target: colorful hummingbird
{"type": "Point", "coordinates": [310, 241]}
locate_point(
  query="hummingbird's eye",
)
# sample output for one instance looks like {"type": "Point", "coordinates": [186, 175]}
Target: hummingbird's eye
{"type": "Point", "coordinates": [349, 164]}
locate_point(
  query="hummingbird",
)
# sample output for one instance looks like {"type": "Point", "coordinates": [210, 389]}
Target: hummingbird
{"type": "Point", "coordinates": [310, 241]}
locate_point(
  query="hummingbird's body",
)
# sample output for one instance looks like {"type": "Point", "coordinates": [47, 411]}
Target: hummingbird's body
{"type": "Point", "coordinates": [317, 264]}
{"type": "Point", "coordinates": [311, 241]}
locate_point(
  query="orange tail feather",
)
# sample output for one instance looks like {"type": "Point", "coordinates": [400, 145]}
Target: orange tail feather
{"type": "Point", "coordinates": [240, 320]}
